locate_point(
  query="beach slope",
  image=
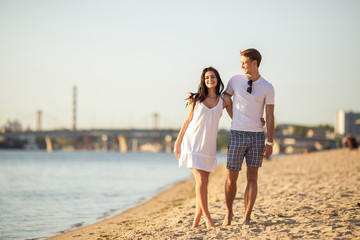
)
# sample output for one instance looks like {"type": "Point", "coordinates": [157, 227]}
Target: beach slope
{"type": "Point", "coordinates": [301, 196]}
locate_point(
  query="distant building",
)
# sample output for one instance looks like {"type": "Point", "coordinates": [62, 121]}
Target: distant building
{"type": "Point", "coordinates": [345, 123]}
{"type": "Point", "coordinates": [11, 126]}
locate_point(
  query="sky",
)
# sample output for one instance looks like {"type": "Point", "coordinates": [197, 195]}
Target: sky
{"type": "Point", "coordinates": [132, 59]}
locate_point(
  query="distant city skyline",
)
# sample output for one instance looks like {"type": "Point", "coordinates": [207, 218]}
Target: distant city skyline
{"type": "Point", "coordinates": [131, 60]}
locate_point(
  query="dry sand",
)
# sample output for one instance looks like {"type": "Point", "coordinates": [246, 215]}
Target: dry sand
{"type": "Point", "coordinates": [314, 196]}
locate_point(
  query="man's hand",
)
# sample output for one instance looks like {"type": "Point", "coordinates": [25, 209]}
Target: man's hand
{"type": "Point", "coordinates": [267, 151]}
{"type": "Point", "coordinates": [262, 121]}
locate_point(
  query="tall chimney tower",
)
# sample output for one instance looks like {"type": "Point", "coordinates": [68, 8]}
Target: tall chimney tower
{"type": "Point", "coordinates": [38, 120]}
{"type": "Point", "coordinates": [155, 121]}
{"type": "Point", "coordinates": [74, 109]}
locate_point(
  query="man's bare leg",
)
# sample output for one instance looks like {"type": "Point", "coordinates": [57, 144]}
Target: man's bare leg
{"type": "Point", "coordinates": [230, 193]}
{"type": "Point", "coordinates": [250, 192]}
{"type": "Point", "coordinates": [202, 180]}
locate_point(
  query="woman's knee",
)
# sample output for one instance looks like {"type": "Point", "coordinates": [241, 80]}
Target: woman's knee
{"type": "Point", "coordinates": [201, 178]}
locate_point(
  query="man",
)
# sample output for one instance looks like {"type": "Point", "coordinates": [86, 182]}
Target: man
{"type": "Point", "coordinates": [251, 93]}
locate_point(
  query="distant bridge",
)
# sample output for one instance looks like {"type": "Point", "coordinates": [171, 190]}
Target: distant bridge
{"type": "Point", "coordinates": [94, 133]}
{"type": "Point", "coordinates": [124, 140]}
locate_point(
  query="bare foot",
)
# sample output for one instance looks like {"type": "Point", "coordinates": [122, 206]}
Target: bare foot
{"type": "Point", "coordinates": [247, 222]}
{"type": "Point", "coordinates": [227, 220]}
{"type": "Point", "coordinates": [210, 224]}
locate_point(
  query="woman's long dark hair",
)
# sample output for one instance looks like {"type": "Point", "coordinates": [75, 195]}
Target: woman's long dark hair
{"type": "Point", "coordinates": [203, 89]}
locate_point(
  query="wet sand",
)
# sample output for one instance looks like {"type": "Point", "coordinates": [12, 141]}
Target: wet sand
{"type": "Point", "coordinates": [313, 196]}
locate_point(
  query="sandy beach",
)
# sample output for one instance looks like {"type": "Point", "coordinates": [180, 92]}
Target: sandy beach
{"type": "Point", "coordinates": [312, 196]}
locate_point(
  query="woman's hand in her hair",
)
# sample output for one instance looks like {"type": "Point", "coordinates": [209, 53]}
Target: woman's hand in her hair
{"type": "Point", "coordinates": [190, 98]}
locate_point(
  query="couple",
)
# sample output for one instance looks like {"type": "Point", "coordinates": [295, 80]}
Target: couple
{"type": "Point", "coordinates": [195, 146]}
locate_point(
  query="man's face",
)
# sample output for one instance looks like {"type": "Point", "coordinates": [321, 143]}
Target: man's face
{"type": "Point", "coordinates": [248, 65]}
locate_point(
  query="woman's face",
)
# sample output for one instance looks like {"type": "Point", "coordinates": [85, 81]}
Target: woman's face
{"type": "Point", "coordinates": [210, 79]}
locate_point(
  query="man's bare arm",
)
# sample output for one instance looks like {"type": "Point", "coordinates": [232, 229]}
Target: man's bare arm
{"type": "Point", "coordinates": [270, 127]}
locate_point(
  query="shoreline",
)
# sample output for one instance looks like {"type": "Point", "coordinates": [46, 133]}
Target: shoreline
{"type": "Point", "coordinates": [107, 214]}
{"type": "Point", "coordinates": [174, 196]}
{"type": "Point", "coordinates": [316, 195]}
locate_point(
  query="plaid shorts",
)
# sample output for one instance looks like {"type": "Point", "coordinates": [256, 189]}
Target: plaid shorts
{"type": "Point", "coordinates": [245, 144]}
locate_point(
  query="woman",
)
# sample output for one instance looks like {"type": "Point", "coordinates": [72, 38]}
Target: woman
{"type": "Point", "coordinates": [195, 146]}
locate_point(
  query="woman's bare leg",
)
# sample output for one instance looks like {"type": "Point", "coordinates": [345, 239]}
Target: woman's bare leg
{"type": "Point", "coordinates": [198, 214]}
{"type": "Point", "coordinates": [202, 180]}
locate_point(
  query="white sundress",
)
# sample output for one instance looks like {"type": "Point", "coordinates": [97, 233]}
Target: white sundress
{"type": "Point", "coordinates": [198, 147]}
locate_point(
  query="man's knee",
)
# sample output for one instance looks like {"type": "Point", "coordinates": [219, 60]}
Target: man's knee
{"type": "Point", "coordinates": [232, 177]}
{"type": "Point", "coordinates": [252, 174]}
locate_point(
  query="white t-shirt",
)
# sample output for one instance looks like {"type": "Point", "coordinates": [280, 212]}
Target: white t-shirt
{"type": "Point", "coordinates": [249, 108]}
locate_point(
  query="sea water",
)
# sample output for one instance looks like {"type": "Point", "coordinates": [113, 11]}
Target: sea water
{"type": "Point", "coordinates": [43, 194]}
